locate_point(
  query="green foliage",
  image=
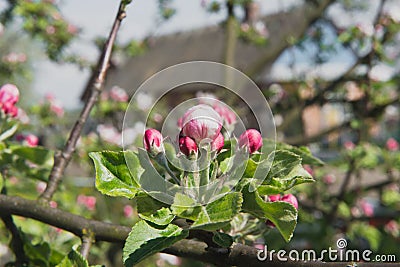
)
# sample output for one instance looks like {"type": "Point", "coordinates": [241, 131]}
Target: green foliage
{"type": "Point", "coordinates": [113, 177]}
{"type": "Point", "coordinates": [283, 215]}
{"type": "Point", "coordinates": [73, 259]}
{"type": "Point", "coordinates": [145, 240]}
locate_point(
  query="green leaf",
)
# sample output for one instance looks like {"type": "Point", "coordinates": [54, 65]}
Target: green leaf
{"type": "Point", "coordinates": [218, 213]}
{"type": "Point", "coordinates": [37, 155]}
{"type": "Point", "coordinates": [145, 240]}
{"type": "Point", "coordinates": [73, 259]}
{"type": "Point", "coordinates": [222, 239]}
{"type": "Point", "coordinates": [282, 214]}
{"type": "Point", "coordinates": [113, 177]}
{"type": "Point", "coordinates": [286, 171]}
{"type": "Point", "coordinates": [303, 152]}
{"type": "Point", "coordinates": [152, 210]}
{"type": "Point", "coordinates": [9, 132]}
{"type": "Point", "coordinates": [185, 207]}
{"type": "Point", "coordinates": [1, 181]}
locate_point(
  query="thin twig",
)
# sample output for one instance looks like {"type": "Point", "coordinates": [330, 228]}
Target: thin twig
{"type": "Point", "coordinates": [62, 158]}
{"type": "Point", "coordinates": [343, 189]}
{"type": "Point", "coordinates": [87, 241]}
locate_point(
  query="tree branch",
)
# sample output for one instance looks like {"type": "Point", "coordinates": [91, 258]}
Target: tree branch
{"type": "Point", "coordinates": [62, 158]}
{"type": "Point", "coordinates": [238, 255]}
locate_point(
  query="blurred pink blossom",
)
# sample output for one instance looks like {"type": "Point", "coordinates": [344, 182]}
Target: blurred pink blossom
{"type": "Point", "coordinates": [109, 134]}
{"type": "Point", "coordinates": [329, 179]}
{"type": "Point", "coordinates": [53, 204]}
{"type": "Point", "coordinates": [118, 94]}
{"type": "Point", "coordinates": [22, 116]}
{"type": "Point", "coordinates": [28, 140]}
{"type": "Point", "coordinates": [40, 187]}
{"type": "Point", "coordinates": [393, 228]}
{"type": "Point", "coordinates": [128, 211]}
{"type": "Point", "coordinates": [349, 145]}
{"type": "Point", "coordinates": [367, 208]}
{"type": "Point", "coordinates": [392, 144]}
{"type": "Point", "coordinates": [72, 29]}
{"type": "Point", "coordinates": [88, 201]}
{"type": "Point", "coordinates": [366, 28]}
{"type": "Point", "coordinates": [308, 169]}
{"type": "Point", "coordinates": [50, 30]}
{"type": "Point", "coordinates": [170, 259]}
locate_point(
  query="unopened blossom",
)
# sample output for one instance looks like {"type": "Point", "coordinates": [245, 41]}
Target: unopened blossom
{"type": "Point", "coordinates": [273, 198]}
{"type": "Point", "coordinates": [153, 142]}
{"type": "Point", "coordinates": [228, 116]}
{"type": "Point", "coordinates": [218, 143]}
{"type": "Point", "coordinates": [392, 144]}
{"type": "Point", "coordinates": [187, 146]}
{"type": "Point", "coordinates": [251, 139]}
{"type": "Point", "coordinates": [201, 122]}
{"type": "Point", "coordinates": [291, 199]}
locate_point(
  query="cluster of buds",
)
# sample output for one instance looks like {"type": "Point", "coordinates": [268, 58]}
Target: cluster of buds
{"type": "Point", "coordinates": [201, 125]}
{"type": "Point", "coordinates": [9, 96]}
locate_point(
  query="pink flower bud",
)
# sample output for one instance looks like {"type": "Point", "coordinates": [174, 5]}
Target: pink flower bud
{"type": "Point", "coordinates": [218, 143]}
{"type": "Point", "coordinates": [9, 95]}
{"type": "Point", "coordinates": [226, 114]}
{"type": "Point", "coordinates": [201, 122]}
{"type": "Point", "coordinates": [187, 146]}
{"type": "Point", "coordinates": [392, 144]}
{"type": "Point", "coordinates": [289, 198]}
{"type": "Point", "coordinates": [251, 139]}
{"type": "Point", "coordinates": [274, 198]}
{"type": "Point", "coordinates": [153, 141]}
{"type": "Point", "coordinates": [31, 140]}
